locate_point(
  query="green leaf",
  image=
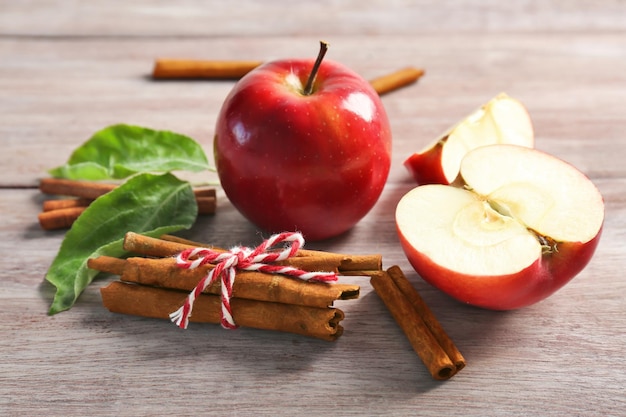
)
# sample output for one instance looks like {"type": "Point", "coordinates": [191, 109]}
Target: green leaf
{"type": "Point", "coordinates": [120, 151]}
{"type": "Point", "coordinates": [146, 203]}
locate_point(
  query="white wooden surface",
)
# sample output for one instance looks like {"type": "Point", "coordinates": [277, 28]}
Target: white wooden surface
{"type": "Point", "coordinates": [68, 69]}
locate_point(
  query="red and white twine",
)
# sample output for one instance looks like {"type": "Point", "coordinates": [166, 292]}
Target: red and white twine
{"type": "Point", "coordinates": [240, 258]}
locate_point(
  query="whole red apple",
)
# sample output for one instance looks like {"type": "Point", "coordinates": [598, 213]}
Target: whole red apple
{"type": "Point", "coordinates": [520, 227]}
{"type": "Point", "coordinates": [303, 145]}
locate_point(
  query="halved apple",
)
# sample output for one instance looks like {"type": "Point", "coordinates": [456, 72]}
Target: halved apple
{"type": "Point", "coordinates": [521, 226]}
{"type": "Point", "coordinates": [502, 120]}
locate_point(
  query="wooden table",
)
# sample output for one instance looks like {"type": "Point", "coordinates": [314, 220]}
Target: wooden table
{"type": "Point", "coordinates": [68, 69]}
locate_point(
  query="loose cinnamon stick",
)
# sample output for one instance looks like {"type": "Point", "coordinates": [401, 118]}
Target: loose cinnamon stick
{"type": "Point", "coordinates": [206, 205]}
{"type": "Point", "coordinates": [422, 309]}
{"type": "Point", "coordinates": [140, 300]}
{"type": "Point", "coordinates": [251, 285]}
{"type": "Point", "coordinates": [417, 332]}
{"type": "Point", "coordinates": [396, 80]}
{"type": "Point", "coordinates": [205, 192]}
{"type": "Point", "coordinates": [167, 68]}
{"type": "Point", "coordinates": [50, 205]}
{"type": "Point", "coordinates": [84, 189]}
{"type": "Point", "coordinates": [59, 219]}
{"type": "Point", "coordinates": [91, 190]}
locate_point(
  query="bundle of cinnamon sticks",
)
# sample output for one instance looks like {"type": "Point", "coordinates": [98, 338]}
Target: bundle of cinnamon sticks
{"type": "Point", "coordinates": [73, 197]}
{"type": "Point", "coordinates": [152, 285]}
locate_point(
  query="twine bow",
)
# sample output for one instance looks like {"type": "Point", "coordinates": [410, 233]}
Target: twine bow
{"type": "Point", "coordinates": [240, 258]}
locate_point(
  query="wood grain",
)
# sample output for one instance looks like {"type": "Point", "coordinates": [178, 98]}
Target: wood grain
{"type": "Point", "coordinates": [100, 18]}
{"type": "Point", "coordinates": [68, 69]}
{"type": "Point", "coordinates": [572, 85]}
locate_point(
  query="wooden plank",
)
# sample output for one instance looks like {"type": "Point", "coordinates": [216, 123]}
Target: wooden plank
{"type": "Point", "coordinates": [327, 18]}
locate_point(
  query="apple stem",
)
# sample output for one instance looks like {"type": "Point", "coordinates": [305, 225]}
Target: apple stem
{"type": "Point", "coordinates": [308, 88]}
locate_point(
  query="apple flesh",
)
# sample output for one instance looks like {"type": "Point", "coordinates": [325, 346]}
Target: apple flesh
{"type": "Point", "coordinates": [501, 120]}
{"type": "Point", "coordinates": [522, 226]}
{"type": "Point", "coordinates": [317, 162]}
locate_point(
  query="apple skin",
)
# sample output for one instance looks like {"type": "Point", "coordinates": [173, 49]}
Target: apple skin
{"type": "Point", "coordinates": [314, 163]}
{"type": "Point", "coordinates": [506, 292]}
{"type": "Point", "coordinates": [426, 168]}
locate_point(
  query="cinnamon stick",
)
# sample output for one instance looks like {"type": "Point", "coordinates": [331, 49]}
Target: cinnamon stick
{"type": "Point", "coordinates": [164, 273]}
{"type": "Point", "coordinates": [50, 205]}
{"type": "Point", "coordinates": [108, 264]}
{"type": "Point", "coordinates": [206, 202]}
{"type": "Point", "coordinates": [396, 80]}
{"type": "Point", "coordinates": [145, 245]}
{"type": "Point", "coordinates": [182, 240]}
{"type": "Point", "coordinates": [59, 219]}
{"type": "Point", "coordinates": [422, 309]}
{"type": "Point", "coordinates": [206, 205]}
{"type": "Point", "coordinates": [84, 189]}
{"type": "Point", "coordinates": [91, 190]}
{"type": "Point", "coordinates": [345, 263]}
{"type": "Point", "coordinates": [150, 246]}
{"type": "Point", "coordinates": [144, 301]}
{"type": "Point", "coordinates": [205, 192]}
{"type": "Point", "coordinates": [424, 343]}
{"type": "Point", "coordinates": [167, 68]}
{"type": "Point", "coordinates": [309, 260]}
